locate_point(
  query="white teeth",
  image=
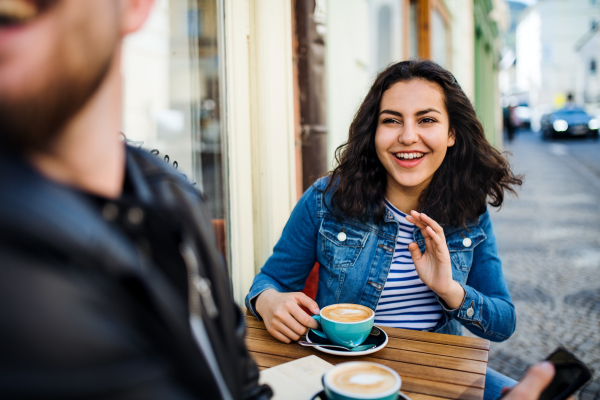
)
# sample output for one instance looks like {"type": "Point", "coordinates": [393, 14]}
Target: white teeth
{"type": "Point", "coordinates": [408, 156]}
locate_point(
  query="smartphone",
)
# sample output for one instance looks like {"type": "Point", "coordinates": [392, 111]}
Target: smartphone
{"type": "Point", "coordinates": [571, 374]}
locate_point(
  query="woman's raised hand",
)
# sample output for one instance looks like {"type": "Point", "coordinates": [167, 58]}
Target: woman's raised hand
{"type": "Point", "coordinates": [434, 266]}
{"type": "Point", "coordinates": [283, 317]}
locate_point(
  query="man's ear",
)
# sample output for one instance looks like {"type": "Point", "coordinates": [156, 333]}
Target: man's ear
{"type": "Point", "coordinates": [135, 13]}
{"type": "Point", "coordinates": [451, 138]}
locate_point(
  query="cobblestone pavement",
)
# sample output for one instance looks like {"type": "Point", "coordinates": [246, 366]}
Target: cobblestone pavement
{"type": "Point", "coordinates": [549, 243]}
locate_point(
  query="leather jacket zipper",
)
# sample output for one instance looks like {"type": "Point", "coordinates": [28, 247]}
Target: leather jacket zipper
{"type": "Point", "coordinates": [199, 288]}
{"type": "Point", "coordinates": [197, 285]}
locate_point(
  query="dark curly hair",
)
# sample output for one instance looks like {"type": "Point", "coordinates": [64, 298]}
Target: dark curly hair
{"type": "Point", "coordinates": [471, 174]}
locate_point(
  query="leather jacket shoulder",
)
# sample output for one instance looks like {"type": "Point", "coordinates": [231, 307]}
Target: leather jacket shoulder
{"type": "Point", "coordinates": [86, 315]}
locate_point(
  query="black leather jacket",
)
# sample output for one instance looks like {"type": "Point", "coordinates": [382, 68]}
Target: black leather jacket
{"type": "Point", "coordinates": [85, 313]}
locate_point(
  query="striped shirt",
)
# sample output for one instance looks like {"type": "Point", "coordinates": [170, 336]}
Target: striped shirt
{"type": "Point", "coordinates": [406, 302]}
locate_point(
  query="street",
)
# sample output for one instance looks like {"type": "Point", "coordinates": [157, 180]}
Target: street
{"type": "Point", "coordinates": [549, 243]}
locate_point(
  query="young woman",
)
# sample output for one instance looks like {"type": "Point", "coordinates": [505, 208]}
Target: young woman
{"type": "Point", "coordinates": [401, 224]}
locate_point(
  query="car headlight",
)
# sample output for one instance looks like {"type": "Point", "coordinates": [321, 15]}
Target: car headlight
{"type": "Point", "coordinates": [594, 124]}
{"type": "Point", "coordinates": [560, 125]}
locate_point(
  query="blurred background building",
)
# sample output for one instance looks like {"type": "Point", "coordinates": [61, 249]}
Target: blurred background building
{"type": "Point", "coordinates": [550, 52]}
{"type": "Point", "coordinates": [250, 98]}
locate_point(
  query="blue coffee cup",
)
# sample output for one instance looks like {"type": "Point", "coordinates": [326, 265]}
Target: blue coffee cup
{"type": "Point", "coordinates": [349, 334]}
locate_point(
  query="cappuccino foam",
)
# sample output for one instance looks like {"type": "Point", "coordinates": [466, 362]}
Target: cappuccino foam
{"type": "Point", "coordinates": [347, 312]}
{"type": "Point", "coordinates": [361, 378]}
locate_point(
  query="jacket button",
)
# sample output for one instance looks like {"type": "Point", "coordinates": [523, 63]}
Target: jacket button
{"type": "Point", "coordinates": [110, 212]}
{"type": "Point", "coordinates": [341, 236]}
{"type": "Point", "coordinates": [467, 242]}
{"type": "Point", "coordinates": [470, 311]}
{"type": "Point", "coordinates": [135, 216]}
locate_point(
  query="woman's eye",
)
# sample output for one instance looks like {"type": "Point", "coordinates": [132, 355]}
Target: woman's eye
{"type": "Point", "coordinates": [428, 120]}
{"type": "Point", "coordinates": [390, 121]}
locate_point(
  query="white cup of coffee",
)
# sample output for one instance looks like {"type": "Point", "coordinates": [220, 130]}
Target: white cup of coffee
{"type": "Point", "coordinates": [361, 380]}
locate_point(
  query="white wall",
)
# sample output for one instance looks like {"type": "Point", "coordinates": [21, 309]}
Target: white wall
{"type": "Point", "coordinates": [349, 73]}
{"type": "Point", "coordinates": [463, 45]}
{"type": "Point", "coordinates": [260, 131]}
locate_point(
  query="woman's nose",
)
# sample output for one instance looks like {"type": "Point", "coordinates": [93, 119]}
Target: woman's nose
{"type": "Point", "coordinates": [409, 134]}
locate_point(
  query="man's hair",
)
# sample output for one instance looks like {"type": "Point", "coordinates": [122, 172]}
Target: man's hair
{"type": "Point", "coordinates": [471, 174]}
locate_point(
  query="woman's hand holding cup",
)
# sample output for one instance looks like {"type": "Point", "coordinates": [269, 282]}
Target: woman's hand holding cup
{"type": "Point", "coordinates": [284, 319]}
{"type": "Point", "coordinates": [434, 266]}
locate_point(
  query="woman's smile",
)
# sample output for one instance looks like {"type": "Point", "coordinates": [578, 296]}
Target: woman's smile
{"type": "Point", "coordinates": [410, 159]}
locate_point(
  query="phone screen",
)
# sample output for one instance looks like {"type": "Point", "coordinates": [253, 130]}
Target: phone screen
{"type": "Point", "coordinates": [570, 375]}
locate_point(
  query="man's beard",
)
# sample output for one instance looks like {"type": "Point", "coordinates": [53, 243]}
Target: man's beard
{"type": "Point", "coordinates": [33, 123]}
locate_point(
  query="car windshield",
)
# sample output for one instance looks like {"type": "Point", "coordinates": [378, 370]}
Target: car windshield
{"type": "Point", "coordinates": [570, 113]}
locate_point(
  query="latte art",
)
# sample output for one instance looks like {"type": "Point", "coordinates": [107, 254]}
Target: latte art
{"type": "Point", "coordinates": [347, 312]}
{"type": "Point", "coordinates": [361, 378]}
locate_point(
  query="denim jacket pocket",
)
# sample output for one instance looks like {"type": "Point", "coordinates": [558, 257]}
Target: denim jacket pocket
{"type": "Point", "coordinates": [341, 243]}
{"type": "Point", "coordinates": [461, 245]}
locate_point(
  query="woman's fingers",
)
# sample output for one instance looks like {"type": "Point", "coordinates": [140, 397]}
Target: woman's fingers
{"type": "Point", "coordinates": [288, 325]}
{"type": "Point", "coordinates": [303, 317]}
{"type": "Point", "coordinates": [434, 225]}
{"type": "Point", "coordinates": [422, 221]}
{"type": "Point", "coordinates": [280, 329]}
{"type": "Point", "coordinates": [415, 252]}
{"type": "Point", "coordinates": [434, 236]}
{"type": "Point", "coordinates": [417, 221]}
{"type": "Point", "coordinates": [284, 318]}
{"type": "Point", "coordinates": [278, 335]}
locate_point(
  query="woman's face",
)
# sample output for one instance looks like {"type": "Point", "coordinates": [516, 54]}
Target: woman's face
{"type": "Point", "coordinates": [412, 135]}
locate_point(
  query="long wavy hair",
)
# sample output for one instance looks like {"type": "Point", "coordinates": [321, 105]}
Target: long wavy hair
{"type": "Point", "coordinates": [472, 173]}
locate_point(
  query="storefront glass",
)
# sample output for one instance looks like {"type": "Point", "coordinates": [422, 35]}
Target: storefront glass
{"type": "Point", "coordinates": [172, 94]}
{"type": "Point", "coordinates": [413, 30]}
{"type": "Point", "coordinates": [439, 39]}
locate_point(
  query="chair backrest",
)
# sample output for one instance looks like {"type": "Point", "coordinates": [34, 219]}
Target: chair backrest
{"type": "Point", "coordinates": [312, 282]}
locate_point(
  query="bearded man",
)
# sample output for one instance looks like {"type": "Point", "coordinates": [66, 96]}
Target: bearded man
{"type": "Point", "coordinates": [110, 284]}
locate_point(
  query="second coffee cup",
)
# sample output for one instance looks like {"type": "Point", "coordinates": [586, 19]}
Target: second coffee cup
{"type": "Point", "coordinates": [345, 324]}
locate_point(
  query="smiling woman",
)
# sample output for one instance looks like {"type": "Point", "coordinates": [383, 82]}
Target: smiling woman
{"type": "Point", "coordinates": [414, 145]}
{"type": "Point", "coordinates": [412, 131]}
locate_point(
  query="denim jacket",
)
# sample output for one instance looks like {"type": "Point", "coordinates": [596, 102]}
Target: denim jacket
{"type": "Point", "coordinates": [355, 270]}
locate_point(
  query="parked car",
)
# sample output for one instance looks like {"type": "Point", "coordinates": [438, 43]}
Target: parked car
{"type": "Point", "coordinates": [523, 116]}
{"type": "Point", "coordinates": [569, 122]}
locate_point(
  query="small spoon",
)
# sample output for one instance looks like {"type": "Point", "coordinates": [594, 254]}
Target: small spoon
{"type": "Point", "coordinates": [357, 348]}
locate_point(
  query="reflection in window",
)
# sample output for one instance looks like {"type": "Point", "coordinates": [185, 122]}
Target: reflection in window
{"type": "Point", "coordinates": [384, 37]}
{"type": "Point", "coordinates": [593, 67]}
{"type": "Point", "coordinates": [172, 95]}
{"type": "Point", "coordinates": [171, 92]}
{"type": "Point", "coordinates": [439, 40]}
{"type": "Point", "coordinates": [413, 30]}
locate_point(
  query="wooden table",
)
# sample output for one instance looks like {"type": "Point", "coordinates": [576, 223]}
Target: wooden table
{"type": "Point", "coordinates": [432, 366]}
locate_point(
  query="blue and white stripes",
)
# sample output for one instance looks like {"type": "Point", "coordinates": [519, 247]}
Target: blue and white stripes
{"type": "Point", "coordinates": [406, 302]}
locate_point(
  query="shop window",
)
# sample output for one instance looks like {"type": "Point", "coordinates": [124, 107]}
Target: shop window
{"type": "Point", "coordinates": [384, 37]}
{"type": "Point", "coordinates": [172, 94]}
{"type": "Point", "coordinates": [413, 30]}
{"type": "Point", "coordinates": [439, 39]}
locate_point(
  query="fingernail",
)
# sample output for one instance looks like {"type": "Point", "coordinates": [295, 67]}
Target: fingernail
{"type": "Point", "coordinates": [546, 365]}
{"type": "Point", "coordinates": [423, 214]}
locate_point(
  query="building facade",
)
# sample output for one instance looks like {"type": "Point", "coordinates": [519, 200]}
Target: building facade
{"type": "Point", "coordinates": [546, 42]}
{"type": "Point", "coordinates": [232, 92]}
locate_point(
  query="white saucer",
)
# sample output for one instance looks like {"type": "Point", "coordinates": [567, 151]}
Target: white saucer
{"type": "Point", "coordinates": [350, 353]}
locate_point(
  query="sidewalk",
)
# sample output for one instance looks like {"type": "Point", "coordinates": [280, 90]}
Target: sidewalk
{"type": "Point", "coordinates": [549, 242]}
